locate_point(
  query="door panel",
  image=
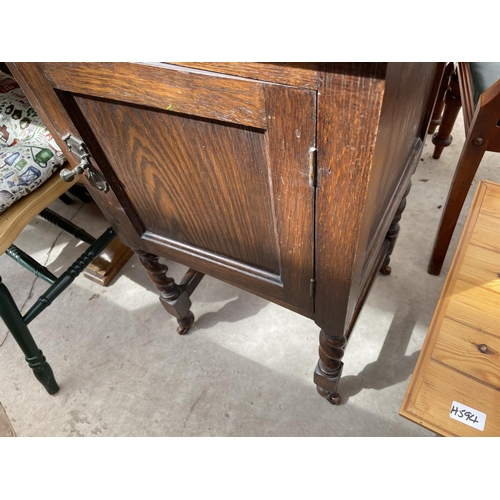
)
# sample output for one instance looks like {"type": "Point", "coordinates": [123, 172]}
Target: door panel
{"type": "Point", "coordinates": [191, 180]}
{"type": "Point", "coordinates": [218, 179]}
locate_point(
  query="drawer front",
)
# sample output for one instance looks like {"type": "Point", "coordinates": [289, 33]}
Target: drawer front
{"type": "Point", "coordinates": [208, 170]}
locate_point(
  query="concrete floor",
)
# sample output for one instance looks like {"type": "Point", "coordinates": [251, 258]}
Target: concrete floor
{"type": "Point", "coordinates": [246, 367]}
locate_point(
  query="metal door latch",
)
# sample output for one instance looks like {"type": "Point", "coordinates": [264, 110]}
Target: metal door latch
{"type": "Point", "coordinates": [78, 147]}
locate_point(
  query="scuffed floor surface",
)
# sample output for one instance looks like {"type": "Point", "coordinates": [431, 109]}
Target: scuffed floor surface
{"type": "Point", "coordinates": [246, 368]}
{"type": "Point", "coordinates": [6, 429]}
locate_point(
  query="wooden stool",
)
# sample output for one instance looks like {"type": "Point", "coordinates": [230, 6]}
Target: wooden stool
{"type": "Point", "coordinates": [476, 88]}
{"type": "Point", "coordinates": [12, 222]}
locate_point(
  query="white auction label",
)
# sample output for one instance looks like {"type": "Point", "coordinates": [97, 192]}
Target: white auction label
{"type": "Point", "coordinates": [468, 415]}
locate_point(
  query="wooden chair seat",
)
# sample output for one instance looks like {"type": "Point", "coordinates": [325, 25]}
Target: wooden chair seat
{"type": "Point", "coordinates": [19, 215]}
{"type": "Point", "coordinates": [474, 87]}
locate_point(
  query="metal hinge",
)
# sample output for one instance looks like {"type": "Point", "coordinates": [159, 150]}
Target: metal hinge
{"type": "Point", "coordinates": [78, 148]}
{"type": "Point", "coordinates": [312, 287]}
{"type": "Point", "coordinates": [313, 168]}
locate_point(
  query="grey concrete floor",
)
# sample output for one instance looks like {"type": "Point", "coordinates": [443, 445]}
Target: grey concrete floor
{"type": "Point", "coordinates": [246, 367]}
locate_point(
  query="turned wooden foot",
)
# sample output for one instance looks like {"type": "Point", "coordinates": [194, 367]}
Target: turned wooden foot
{"type": "Point", "coordinates": [174, 297]}
{"type": "Point", "coordinates": [329, 368]}
{"type": "Point", "coordinates": [385, 268]}
{"type": "Point", "coordinates": [43, 373]}
{"type": "Point", "coordinates": [333, 398]}
{"type": "Point", "coordinates": [185, 323]}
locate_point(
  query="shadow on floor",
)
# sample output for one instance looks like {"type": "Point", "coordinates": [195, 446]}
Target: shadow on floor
{"type": "Point", "coordinates": [392, 365]}
{"type": "Point", "coordinates": [241, 307]}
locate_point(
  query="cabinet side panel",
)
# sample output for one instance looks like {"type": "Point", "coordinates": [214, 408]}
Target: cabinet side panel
{"type": "Point", "coordinates": [411, 90]}
{"type": "Point", "coordinates": [407, 93]}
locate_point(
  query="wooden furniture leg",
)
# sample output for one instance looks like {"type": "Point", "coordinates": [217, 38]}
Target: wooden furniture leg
{"type": "Point", "coordinates": [174, 297]}
{"type": "Point", "coordinates": [332, 346]}
{"type": "Point", "coordinates": [329, 368]}
{"type": "Point", "coordinates": [469, 161]}
{"type": "Point", "coordinates": [12, 318]}
{"type": "Point", "coordinates": [452, 104]}
{"type": "Point", "coordinates": [438, 108]}
{"type": "Point", "coordinates": [392, 234]}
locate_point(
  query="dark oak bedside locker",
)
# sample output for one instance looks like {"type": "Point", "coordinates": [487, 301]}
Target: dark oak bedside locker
{"type": "Point", "coordinates": [287, 180]}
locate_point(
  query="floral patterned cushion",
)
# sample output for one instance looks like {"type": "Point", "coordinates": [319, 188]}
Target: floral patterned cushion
{"type": "Point", "coordinates": [28, 153]}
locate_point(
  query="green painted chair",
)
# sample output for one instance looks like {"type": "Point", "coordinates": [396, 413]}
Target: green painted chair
{"type": "Point", "coordinates": [12, 222]}
{"type": "Point", "coordinates": [29, 183]}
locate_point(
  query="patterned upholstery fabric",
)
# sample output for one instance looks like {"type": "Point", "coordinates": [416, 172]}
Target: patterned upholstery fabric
{"type": "Point", "coordinates": [28, 153]}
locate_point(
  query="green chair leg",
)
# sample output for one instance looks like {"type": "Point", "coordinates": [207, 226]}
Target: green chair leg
{"type": "Point", "coordinates": [12, 318]}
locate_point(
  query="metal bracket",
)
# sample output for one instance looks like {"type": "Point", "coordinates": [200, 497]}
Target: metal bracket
{"type": "Point", "coordinates": [78, 148]}
{"type": "Point", "coordinates": [313, 167]}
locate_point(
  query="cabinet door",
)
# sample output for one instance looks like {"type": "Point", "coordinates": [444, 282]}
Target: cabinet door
{"type": "Point", "coordinates": [205, 169]}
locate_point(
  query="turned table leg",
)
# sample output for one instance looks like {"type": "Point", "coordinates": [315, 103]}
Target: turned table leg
{"type": "Point", "coordinates": [452, 104]}
{"type": "Point", "coordinates": [329, 368]}
{"type": "Point", "coordinates": [12, 318]}
{"type": "Point", "coordinates": [438, 108]}
{"type": "Point", "coordinates": [174, 297]}
{"type": "Point", "coordinates": [392, 234]}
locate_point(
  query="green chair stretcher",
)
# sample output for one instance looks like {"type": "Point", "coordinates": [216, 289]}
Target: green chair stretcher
{"type": "Point", "coordinates": [12, 222]}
